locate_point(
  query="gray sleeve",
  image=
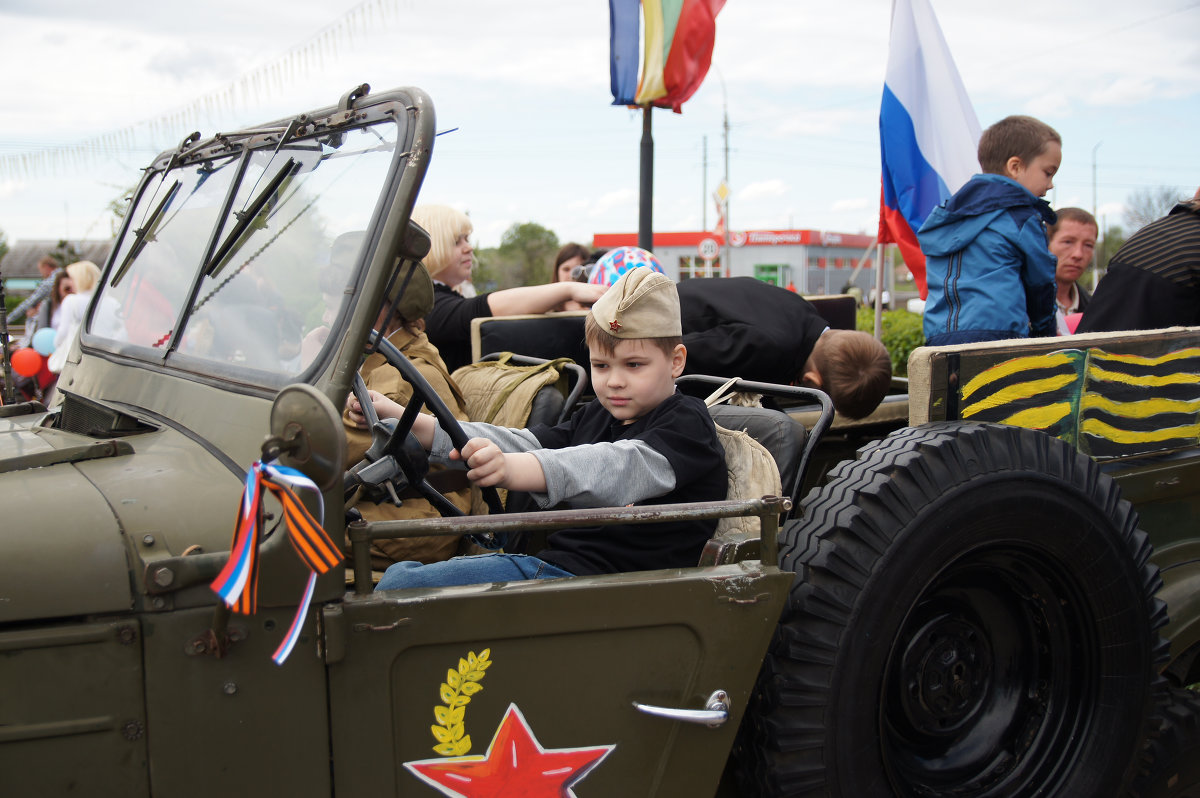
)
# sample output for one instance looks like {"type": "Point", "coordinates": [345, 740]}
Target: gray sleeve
{"type": "Point", "coordinates": [604, 474]}
{"type": "Point", "coordinates": [592, 475]}
{"type": "Point", "coordinates": [508, 439]}
{"type": "Point", "coordinates": [42, 291]}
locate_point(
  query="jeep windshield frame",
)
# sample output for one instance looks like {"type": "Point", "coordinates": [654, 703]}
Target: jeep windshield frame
{"type": "Point", "coordinates": [242, 256]}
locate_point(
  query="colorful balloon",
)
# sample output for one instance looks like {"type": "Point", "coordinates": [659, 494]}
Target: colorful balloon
{"type": "Point", "coordinates": [43, 341]}
{"type": "Point", "coordinates": [27, 362]}
{"type": "Point", "coordinates": [616, 262]}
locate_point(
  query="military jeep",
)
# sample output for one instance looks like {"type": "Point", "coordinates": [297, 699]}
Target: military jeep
{"type": "Point", "coordinates": [966, 607]}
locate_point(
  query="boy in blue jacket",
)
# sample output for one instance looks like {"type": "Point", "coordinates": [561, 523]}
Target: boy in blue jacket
{"type": "Point", "coordinates": [989, 271]}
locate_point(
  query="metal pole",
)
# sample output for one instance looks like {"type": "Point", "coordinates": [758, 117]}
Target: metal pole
{"type": "Point", "coordinates": [9, 389]}
{"type": "Point", "coordinates": [704, 188]}
{"type": "Point", "coordinates": [1095, 269]}
{"type": "Point", "coordinates": [728, 229]}
{"type": "Point", "coordinates": [879, 292]}
{"type": "Point", "coordinates": [646, 206]}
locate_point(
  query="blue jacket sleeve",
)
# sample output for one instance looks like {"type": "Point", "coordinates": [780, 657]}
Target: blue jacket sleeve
{"type": "Point", "coordinates": [1037, 273]}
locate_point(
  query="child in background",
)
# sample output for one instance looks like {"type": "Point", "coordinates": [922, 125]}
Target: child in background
{"type": "Point", "coordinates": [989, 271]}
{"type": "Point", "coordinates": [641, 442]}
{"type": "Point", "coordinates": [743, 327]}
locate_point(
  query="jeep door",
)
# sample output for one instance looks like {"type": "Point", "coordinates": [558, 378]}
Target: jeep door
{"type": "Point", "coordinates": [466, 690]}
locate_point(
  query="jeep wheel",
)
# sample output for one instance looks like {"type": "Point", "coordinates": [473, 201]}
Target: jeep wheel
{"type": "Point", "coordinates": [973, 615]}
{"type": "Point", "coordinates": [1170, 761]}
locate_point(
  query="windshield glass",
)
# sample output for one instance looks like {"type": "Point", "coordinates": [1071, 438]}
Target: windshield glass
{"type": "Point", "coordinates": [270, 277]}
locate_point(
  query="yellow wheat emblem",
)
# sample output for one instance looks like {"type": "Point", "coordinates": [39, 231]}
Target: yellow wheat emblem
{"type": "Point", "coordinates": [461, 683]}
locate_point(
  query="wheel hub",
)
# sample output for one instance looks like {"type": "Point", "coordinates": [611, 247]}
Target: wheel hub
{"type": "Point", "coordinates": [945, 672]}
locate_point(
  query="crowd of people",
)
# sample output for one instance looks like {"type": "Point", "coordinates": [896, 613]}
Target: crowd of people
{"type": "Point", "coordinates": [654, 443]}
{"type": "Point", "coordinates": [1001, 264]}
{"type": "Point", "coordinates": [54, 309]}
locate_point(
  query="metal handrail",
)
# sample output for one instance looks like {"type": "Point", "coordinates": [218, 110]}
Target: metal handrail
{"type": "Point", "coordinates": [361, 533]}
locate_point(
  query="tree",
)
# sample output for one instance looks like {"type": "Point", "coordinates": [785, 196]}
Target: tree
{"type": "Point", "coordinates": [485, 276]}
{"type": "Point", "coordinates": [525, 255]}
{"type": "Point", "coordinates": [65, 253]}
{"type": "Point", "coordinates": [119, 206]}
{"type": "Point", "coordinates": [1146, 205]}
{"type": "Point", "coordinates": [1114, 239]}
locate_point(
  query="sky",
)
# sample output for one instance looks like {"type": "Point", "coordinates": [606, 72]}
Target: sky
{"type": "Point", "coordinates": [523, 89]}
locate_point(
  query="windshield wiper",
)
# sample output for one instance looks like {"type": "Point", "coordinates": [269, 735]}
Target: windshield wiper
{"type": "Point", "coordinates": [143, 234]}
{"type": "Point", "coordinates": [254, 210]}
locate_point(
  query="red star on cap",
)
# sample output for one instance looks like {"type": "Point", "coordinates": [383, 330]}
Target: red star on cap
{"type": "Point", "coordinates": [614, 325]}
{"type": "Point", "coordinates": [515, 764]}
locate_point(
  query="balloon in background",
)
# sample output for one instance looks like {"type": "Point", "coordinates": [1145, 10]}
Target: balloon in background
{"type": "Point", "coordinates": [27, 362]}
{"type": "Point", "coordinates": [616, 262]}
{"type": "Point", "coordinates": [43, 341]}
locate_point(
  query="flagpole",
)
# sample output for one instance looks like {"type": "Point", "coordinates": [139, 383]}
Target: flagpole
{"type": "Point", "coordinates": [879, 291]}
{"type": "Point", "coordinates": [646, 198]}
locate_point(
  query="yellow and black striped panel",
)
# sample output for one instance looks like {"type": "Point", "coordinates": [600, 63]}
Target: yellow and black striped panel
{"type": "Point", "coordinates": [1035, 391]}
{"type": "Point", "coordinates": [1106, 404]}
{"type": "Point", "coordinates": [1133, 403]}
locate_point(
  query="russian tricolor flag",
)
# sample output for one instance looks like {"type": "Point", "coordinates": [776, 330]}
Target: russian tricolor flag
{"type": "Point", "coordinates": [928, 132]}
{"type": "Point", "coordinates": [677, 50]}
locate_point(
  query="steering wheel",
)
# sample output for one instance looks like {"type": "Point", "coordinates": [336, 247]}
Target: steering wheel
{"type": "Point", "coordinates": [395, 457]}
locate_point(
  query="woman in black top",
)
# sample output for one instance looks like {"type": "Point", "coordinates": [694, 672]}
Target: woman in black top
{"type": "Point", "coordinates": [449, 263]}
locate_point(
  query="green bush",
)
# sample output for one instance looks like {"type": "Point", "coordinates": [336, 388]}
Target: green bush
{"type": "Point", "coordinates": [902, 334]}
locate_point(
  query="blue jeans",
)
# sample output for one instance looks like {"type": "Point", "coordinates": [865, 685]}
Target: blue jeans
{"type": "Point", "coordinates": [470, 570]}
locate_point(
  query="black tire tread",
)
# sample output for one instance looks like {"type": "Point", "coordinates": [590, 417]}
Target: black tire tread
{"type": "Point", "coordinates": [1169, 763]}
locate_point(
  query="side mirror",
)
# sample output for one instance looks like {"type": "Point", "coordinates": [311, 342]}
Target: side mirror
{"type": "Point", "coordinates": [307, 435]}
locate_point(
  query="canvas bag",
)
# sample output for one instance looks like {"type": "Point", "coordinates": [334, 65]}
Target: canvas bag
{"type": "Point", "coordinates": [501, 393]}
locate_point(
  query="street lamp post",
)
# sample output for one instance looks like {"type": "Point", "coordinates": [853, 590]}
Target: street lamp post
{"type": "Point", "coordinates": [1095, 215]}
{"type": "Point", "coordinates": [727, 255]}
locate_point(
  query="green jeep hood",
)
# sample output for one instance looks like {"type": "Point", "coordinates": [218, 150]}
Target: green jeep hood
{"type": "Point", "coordinates": [83, 516]}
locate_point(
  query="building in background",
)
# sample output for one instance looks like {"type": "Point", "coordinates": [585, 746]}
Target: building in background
{"type": "Point", "coordinates": [809, 261]}
{"type": "Point", "coordinates": [19, 267]}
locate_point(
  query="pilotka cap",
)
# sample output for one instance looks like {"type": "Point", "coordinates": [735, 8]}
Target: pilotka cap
{"type": "Point", "coordinates": [642, 304]}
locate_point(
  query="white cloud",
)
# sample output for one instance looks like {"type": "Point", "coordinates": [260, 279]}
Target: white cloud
{"type": "Point", "coordinates": [1110, 213]}
{"type": "Point", "coordinates": [763, 189]}
{"type": "Point", "coordinates": [538, 139]}
{"type": "Point", "coordinates": [1050, 105]}
{"type": "Point", "coordinates": [849, 205]}
{"type": "Point", "coordinates": [1122, 91]}
{"type": "Point", "coordinates": [620, 198]}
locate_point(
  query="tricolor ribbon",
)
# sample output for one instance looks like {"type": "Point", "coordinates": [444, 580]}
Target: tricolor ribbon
{"type": "Point", "coordinates": [237, 584]}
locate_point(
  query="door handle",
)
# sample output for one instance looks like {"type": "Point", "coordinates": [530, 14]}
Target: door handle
{"type": "Point", "coordinates": [714, 714]}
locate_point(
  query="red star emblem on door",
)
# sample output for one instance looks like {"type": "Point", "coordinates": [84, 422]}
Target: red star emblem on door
{"type": "Point", "coordinates": [516, 764]}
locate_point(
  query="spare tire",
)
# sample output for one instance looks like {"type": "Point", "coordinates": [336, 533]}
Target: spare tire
{"type": "Point", "coordinates": [973, 615]}
{"type": "Point", "coordinates": [1169, 765]}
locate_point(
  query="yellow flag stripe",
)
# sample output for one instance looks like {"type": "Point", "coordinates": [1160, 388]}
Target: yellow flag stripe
{"type": "Point", "coordinates": [1143, 408]}
{"type": "Point", "coordinates": [1020, 390]}
{"type": "Point", "coordinates": [1142, 360]}
{"type": "Point", "coordinates": [1145, 380]}
{"type": "Point", "coordinates": [1093, 426]}
{"type": "Point", "coordinates": [1039, 417]}
{"type": "Point", "coordinates": [653, 61]}
{"type": "Point", "coordinates": [1009, 367]}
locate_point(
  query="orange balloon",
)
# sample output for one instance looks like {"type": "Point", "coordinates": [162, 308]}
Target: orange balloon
{"type": "Point", "coordinates": [27, 362]}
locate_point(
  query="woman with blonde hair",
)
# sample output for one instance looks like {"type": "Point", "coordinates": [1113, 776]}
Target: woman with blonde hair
{"type": "Point", "coordinates": [85, 277]}
{"type": "Point", "coordinates": [449, 263]}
